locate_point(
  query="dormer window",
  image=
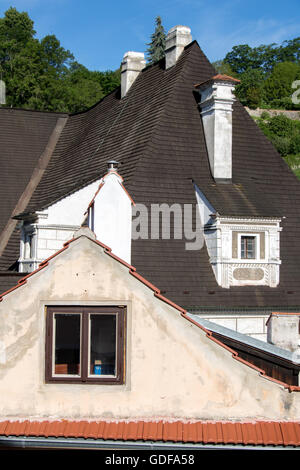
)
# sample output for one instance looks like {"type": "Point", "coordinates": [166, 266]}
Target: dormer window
{"type": "Point", "coordinates": [248, 246]}
{"type": "Point", "coordinates": [243, 251]}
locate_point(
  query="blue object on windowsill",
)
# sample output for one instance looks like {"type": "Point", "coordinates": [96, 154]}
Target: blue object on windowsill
{"type": "Point", "coordinates": [98, 369]}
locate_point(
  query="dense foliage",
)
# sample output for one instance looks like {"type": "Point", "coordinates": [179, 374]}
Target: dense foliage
{"type": "Point", "coordinates": [284, 133]}
{"type": "Point", "coordinates": [41, 74]}
{"type": "Point", "coordinates": [266, 73]}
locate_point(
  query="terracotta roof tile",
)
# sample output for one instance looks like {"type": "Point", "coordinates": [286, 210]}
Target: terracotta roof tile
{"type": "Point", "coordinates": [130, 431]}
{"type": "Point", "coordinates": [214, 432]}
{"type": "Point", "coordinates": [291, 433]}
{"type": "Point", "coordinates": [3, 425]}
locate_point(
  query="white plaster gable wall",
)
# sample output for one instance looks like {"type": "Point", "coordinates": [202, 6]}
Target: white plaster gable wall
{"type": "Point", "coordinates": [71, 209]}
{"type": "Point", "coordinates": [173, 370]}
{"type": "Point", "coordinates": [54, 226]}
{"type": "Point", "coordinates": [112, 214]}
{"type": "Point", "coordinates": [205, 208]}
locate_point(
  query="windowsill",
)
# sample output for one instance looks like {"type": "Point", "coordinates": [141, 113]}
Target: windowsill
{"type": "Point", "coordinates": [246, 261]}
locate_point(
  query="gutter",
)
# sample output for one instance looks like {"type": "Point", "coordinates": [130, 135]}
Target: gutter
{"type": "Point", "coordinates": [24, 442]}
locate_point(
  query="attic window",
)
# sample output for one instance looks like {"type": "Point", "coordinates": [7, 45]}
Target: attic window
{"type": "Point", "coordinates": [248, 246]}
{"type": "Point", "coordinates": [85, 345]}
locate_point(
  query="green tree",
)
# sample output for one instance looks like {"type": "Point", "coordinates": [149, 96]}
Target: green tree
{"type": "Point", "coordinates": [224, 68]}
{"type": "Point", "coordinates": [278, 86]}
{"type": "Point", "coordinates": [42, 74]}
{"type": "Point", "coordinates": [250, 90]}
{"type": "Point", "coordinates": [265, 57]}
{"type": "Point", "coordinates": [82, 88]}
{"type": "Point", "coordinates": [283, 132]}
{"type": "Point", "coordinates": [156, 49]}
{"type": "Point", "coordinates": [243, 57]}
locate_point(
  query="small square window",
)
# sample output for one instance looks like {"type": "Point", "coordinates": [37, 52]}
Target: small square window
{"type": "Point", "coordinates": [85, 345]}
{"type": "Point", "coordinates": [248, 247]}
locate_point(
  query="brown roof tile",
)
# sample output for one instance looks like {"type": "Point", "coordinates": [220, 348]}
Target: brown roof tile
{"type": "Point", "coordinates": [268, 433]}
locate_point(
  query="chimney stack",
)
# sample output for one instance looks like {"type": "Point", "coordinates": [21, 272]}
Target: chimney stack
{"type": "Point", "coordinates": [177, 38]}
{"type": "Point", "coordinates": [216, 103]}
{"type": "Point", "coordinates": [283, 330]}
{"type": "Point", "coordinates": [131, 66]}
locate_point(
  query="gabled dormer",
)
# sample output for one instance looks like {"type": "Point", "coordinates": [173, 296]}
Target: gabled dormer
{"type": "Point", "coordinates": [110, 212]}
{"type": "Point", "coordinates": [108, 215]}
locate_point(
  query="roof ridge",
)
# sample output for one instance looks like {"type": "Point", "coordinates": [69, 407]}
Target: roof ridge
{"type": "Point", "coordinates": [41, 111]}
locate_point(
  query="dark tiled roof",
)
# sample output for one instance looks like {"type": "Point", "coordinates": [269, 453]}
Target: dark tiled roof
{"type": "Point", "coordinates": [24, 135]}
{"type": "Point", "coordinates": [156, 133]}
{"type": "Point", "coordinates": [254, 433]}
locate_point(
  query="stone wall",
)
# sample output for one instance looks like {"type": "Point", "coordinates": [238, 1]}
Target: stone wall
{"type": "Point", "coordinates": [274, 112]}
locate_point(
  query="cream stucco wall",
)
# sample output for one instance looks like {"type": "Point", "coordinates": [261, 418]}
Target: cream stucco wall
{"type": "Point", "coordinates": [173, 370]}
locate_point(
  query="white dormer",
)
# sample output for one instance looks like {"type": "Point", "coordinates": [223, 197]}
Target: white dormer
{"type": "Point", "coordinates": [110, 214]}
{"type": "Point", "coordinates": [47, 230]}
{"type": "Point", "coordinates": [243, 251]}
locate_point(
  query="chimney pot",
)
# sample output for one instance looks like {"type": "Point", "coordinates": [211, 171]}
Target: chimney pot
{"type": "Point", "coordinates": [131, 66]}
{"type": "Point", "coordinates": [112, 165]}
{"type": "Point", "coordinates": [177, 38]}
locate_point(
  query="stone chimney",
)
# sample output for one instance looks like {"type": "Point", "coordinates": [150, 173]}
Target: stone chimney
{"type": "Point", "coordinates": [283, 330]}
{"type": "Point", "coordinates": [216, 110]}
{"type": "Point", "coordinates": [132, 64]}
{"type": "Point", "coordinates": [177, 38]}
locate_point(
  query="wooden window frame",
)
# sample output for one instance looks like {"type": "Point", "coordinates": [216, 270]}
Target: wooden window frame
{"type": "Point", "coordinates": [255, 236]}
{"type": "Point", "coordinates": [85, 311]}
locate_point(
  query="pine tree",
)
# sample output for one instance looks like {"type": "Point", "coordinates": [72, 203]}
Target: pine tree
{"type": "Point", "coordinates": [156, 49]}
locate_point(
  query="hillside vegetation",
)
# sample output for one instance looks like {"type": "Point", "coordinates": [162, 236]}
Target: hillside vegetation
{"type": "Point", "coordinates": [41, 74]}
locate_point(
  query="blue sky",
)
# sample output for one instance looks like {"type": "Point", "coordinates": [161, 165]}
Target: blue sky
{"type": "Point", "coordinates": [99, 32]}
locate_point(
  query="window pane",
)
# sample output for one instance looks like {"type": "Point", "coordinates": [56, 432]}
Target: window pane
{"type": "Point", "coordinates": [248, 247]}
{"type": "Point", "coordinates": [102, 354]}
{"type": "Point", "coordinates": [67, 344]}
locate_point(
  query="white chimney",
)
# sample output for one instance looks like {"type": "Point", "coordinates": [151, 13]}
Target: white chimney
{"type": "Point", "coordinates": [216, 110]}
{"type": "Point", "coordinates": [132, 64]}
{"type": "Point", "coordinates": [283, 330]}
{"type": "Point", "coordinates": [177, 38]}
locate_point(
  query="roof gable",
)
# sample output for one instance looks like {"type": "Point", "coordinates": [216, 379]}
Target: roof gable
{"type": "Point", "coordinates": [84, 239]}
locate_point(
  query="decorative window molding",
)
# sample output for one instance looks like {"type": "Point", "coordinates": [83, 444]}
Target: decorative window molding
{"type": "Point", "coordinates": [85, 344]}
{"type": "Point", "coordinates": [223, 237]}
{"type": "Point", "coordinates": [246, 249]}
